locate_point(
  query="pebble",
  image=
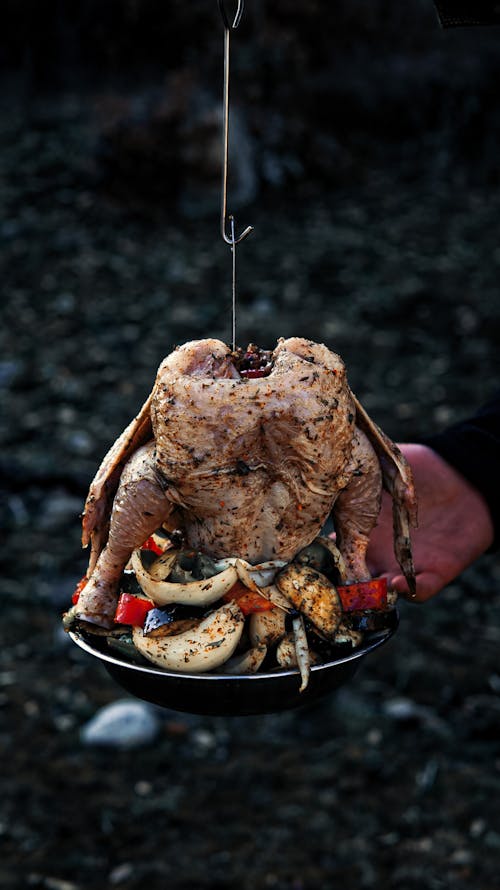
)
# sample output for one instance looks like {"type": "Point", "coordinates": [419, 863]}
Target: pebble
{"type": "Point", "coordinates": [121, 873]}
{"type": "Point", "coordinates": [204, 740]}
{"type": "Point", "coordinates": [404, 710]}
{"type": "Point", "coordinates": [123, 724]}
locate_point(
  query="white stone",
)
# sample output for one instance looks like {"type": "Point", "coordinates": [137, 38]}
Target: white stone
{"type": "Point", "coordinates": [122, 724]}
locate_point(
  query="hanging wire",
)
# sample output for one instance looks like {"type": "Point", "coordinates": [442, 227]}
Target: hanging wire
{"type": "Point", "coordinates": [237, 16]}
{"type": "Point", "coordinates": [226, 219]}
{"type": "Point", "coordinates": [225, 122]}
{"type": "Point", "coordinates": [233, 288]}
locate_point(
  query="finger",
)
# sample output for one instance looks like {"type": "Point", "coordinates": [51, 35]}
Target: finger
{"type": "Point", "coordinates": [428, 584]}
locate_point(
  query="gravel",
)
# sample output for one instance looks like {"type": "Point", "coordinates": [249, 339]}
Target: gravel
{"type": "Point", "coordinates": [390, 783]}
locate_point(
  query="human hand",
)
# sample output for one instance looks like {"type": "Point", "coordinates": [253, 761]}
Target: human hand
{"type": "Point", "coordinates": [454, 527]}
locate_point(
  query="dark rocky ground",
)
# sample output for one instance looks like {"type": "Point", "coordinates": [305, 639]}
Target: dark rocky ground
{"type": "Point", "coordinates": [392, 782]}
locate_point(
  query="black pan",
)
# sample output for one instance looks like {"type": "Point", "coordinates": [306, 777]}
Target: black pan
{"type": "Point", "coordinates": [223, 694]}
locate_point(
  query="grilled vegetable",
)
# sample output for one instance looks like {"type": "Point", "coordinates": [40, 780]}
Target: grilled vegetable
{"type": "Point", "coordinates": [202, 648]}
{"type": "Point", "coordinates": [197, 593]}
{"type": "Point", "coordinates": [267, 628]}
{"type": "Point", "coordinates": [313, 594]}
{"type": "Point", "coordinates": [364, 595]}
{"type": "Point", "coordinates": [248, 600]}
{"type": "Point", "coordinates": [132, 609]}
{"type": "Point", "coordinates": [371, 620]}
{"type": "Point", "coordinates": [157, 620]}
{"type": "Point", "coordinates": [248, 662]}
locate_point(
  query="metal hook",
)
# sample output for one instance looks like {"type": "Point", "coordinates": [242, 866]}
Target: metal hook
{"type": "Point", "coordinates": [229, 239]}
{"type": "Point", "coordinates": [237, 17]}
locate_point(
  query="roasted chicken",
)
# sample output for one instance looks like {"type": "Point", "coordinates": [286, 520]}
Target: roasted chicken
{"type": "Point", "coordinates": [246, 454]}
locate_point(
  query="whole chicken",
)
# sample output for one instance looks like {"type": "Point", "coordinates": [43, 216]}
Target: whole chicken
{"type": "Point", "coordinates": [246, 463]}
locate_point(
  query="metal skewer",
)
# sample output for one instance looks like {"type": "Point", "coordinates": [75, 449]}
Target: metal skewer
{"type": "Point", "coordinates": [231, 238]}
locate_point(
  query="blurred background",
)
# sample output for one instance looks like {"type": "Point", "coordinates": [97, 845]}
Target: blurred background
{"type": "Point", "coordinates": [364, 150]}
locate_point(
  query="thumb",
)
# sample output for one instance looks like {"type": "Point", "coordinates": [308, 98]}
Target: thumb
{"type": "Point", "coordinates": [428, 584]}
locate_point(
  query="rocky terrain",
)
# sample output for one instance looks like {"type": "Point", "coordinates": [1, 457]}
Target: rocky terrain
{"type": "Point", "coordinates": [391, 257]}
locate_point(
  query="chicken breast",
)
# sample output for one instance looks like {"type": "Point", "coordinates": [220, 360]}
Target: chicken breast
{"type": "Point", "coordinates": [254, 464]}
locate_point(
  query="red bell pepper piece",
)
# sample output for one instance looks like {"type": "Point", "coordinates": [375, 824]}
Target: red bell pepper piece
{"type": "Point", "coordinates": [364, 595]}
{"type": "Point", "coordinates": [132, 609]}
{"type": "Point", "coordinates": [247, 600]}
{"type": "Point", "coordinates": [150, 544]}
{"type": "Point", "coordinates": [78, 589]}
